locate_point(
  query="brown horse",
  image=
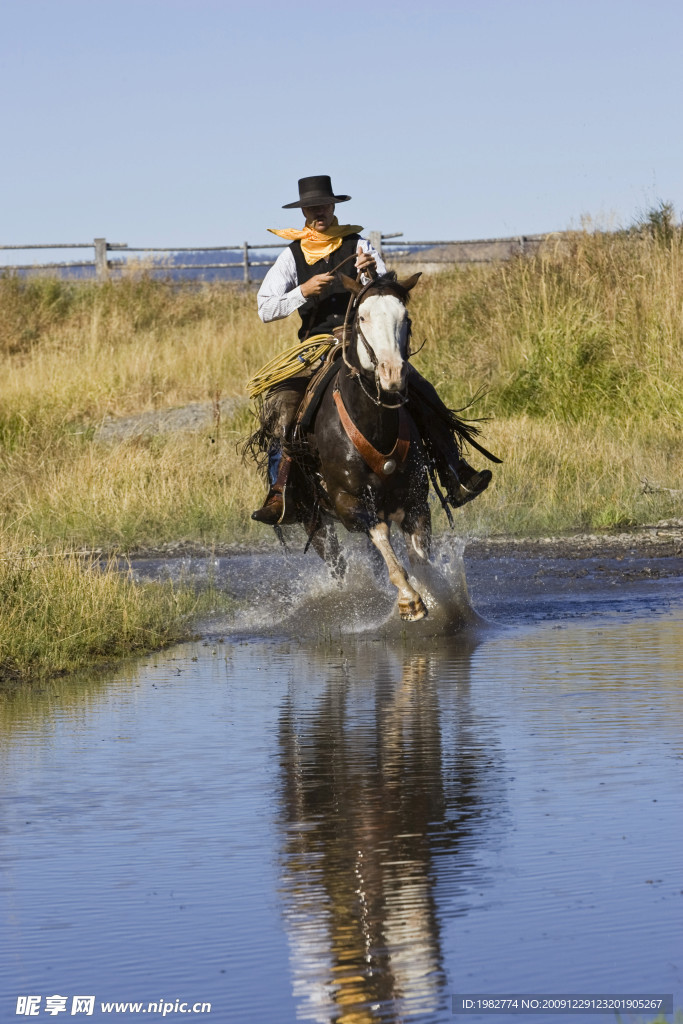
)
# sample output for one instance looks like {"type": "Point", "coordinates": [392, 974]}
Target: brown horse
{"type": "Point", "coordinates": [370, 468]}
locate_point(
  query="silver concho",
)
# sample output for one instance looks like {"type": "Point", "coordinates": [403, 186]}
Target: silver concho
{"type": "Point", "coordinates": [389, 466]}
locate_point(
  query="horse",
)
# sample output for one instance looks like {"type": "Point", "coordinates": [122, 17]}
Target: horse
{"type": "Point", "coordinates": [370, 466]}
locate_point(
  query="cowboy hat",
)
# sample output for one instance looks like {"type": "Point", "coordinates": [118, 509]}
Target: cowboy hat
{"type": "Point", "coordinates": [316, 191]}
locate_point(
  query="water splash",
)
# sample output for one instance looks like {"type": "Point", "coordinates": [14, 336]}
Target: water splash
{"type": "Point", "coordinates": [295, 594]}
{"type": "Point", "coordinates": [303, 598]}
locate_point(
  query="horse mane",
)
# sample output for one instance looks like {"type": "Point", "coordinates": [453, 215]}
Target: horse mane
{"type": "Point", "coordinates": [388, 284]}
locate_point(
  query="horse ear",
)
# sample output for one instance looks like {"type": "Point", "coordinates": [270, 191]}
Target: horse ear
{"type": "Point", "coordinates": [350, 284]}
{"type": "Point", "coordinates": [410, 282]}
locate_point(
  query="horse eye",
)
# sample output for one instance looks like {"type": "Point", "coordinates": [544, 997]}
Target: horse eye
{"type": "Point", "coordinates": [362, 319]}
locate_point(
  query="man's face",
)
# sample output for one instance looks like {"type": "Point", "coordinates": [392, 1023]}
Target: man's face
{"type": "Point", "coordinates": [319, 217]}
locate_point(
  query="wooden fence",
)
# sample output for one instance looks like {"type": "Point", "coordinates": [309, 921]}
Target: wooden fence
{"type": "Point", "coordinates": [484, 250]}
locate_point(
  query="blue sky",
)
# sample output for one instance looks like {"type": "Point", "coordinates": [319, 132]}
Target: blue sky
{"type": "Point", "coordinates": [181, 122]}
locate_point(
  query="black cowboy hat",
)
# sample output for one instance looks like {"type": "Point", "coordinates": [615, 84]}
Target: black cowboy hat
{"type": "Point", "coordinates": [316, 191]}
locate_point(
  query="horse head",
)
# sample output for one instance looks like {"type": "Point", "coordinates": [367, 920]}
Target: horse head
{"type": "Point", "coordinates": [381, 328]}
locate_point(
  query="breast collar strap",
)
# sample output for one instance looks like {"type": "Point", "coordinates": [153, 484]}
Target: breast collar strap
{"type": "Point", "coordinates": [382, 465]}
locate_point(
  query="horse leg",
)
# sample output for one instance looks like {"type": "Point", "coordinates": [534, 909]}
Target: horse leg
{"type": "Point", "coordinates": [417, 530]}
{"type": "Point", "coordinates": [410, 604]}
{"type": "Point", "coordinates": [326, 544]}
{"type": "Point", "coordinates": [377, 564]}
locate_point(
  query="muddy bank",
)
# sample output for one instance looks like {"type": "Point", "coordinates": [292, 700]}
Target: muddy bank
{"type": "Point", "coordinates": [658, 540]}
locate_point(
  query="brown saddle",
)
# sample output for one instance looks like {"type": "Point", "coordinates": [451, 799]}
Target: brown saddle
{"type": "Point", "coordinates": [317, 386]}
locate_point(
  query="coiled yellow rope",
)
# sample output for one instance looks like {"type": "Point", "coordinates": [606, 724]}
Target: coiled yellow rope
{"type": "Point", "coordinates": [290, 362]}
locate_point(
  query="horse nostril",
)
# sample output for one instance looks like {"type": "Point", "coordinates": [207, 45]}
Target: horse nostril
{"type": "Point", "coordinates": [392, 375]}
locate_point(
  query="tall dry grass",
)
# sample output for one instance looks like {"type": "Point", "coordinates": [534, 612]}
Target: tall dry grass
{"type": "Point", "coordinates": [591, 325]}
{"type": "Point", "coordinates": [79, 351]}
{"type": "Point", "coordinates": [580, 352]}
{"type": "Point", "coordinates": [579, 349]}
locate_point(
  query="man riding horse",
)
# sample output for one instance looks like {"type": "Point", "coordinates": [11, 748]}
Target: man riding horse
{"type": "Point", "coordinates": [304, 279]}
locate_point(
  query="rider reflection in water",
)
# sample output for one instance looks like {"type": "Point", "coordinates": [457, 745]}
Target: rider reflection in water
{"type": "Point", "coordinates": [387, 797]}
{"type": "Point", "coordinates": [303, 279]}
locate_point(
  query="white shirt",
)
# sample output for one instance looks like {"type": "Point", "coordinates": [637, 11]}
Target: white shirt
{"type": "Point", "coordinates": [280, 293]}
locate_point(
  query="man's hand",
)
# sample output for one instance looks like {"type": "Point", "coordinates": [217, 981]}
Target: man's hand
{"type": "Point", "coordinates": [316, 285]}
{"type": "Point", "coordinates": [365, 263]}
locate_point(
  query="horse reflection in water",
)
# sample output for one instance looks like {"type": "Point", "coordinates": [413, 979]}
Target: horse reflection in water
{"type": "Point", "coordinates": [382, 789]}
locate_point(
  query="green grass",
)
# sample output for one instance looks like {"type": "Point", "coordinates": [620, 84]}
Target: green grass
{"type": "Point", "coordinates": [60, 613]}
{"type": "Point", "coordinates": [590, 325]}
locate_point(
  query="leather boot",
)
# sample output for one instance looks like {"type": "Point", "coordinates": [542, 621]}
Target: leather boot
{"type": "Point", "coordinates": [463, 483]}
{"type": "Point", "coordinates": [436, 424]}
{"type": "Point", "coordinates": [272, 512]}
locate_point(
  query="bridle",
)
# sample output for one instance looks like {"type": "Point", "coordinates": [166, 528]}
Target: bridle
{"type": "Point", "coordinates": [355, 300]}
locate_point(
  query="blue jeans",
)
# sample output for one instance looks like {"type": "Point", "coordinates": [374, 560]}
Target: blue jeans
{"type": "Point", "coordinates": [274, 460]}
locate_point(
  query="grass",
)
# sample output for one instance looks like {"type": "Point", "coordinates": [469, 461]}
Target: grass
{"type": "Point", "coordinates": [60, 613]}
{"type": "Point", "coordinates": [590, 325]}
{"type": "Point", "coordinates": [578, 349]}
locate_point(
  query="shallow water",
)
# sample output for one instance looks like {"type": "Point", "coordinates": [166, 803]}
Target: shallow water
{"type": "Point", "coordinates": [293, 821]}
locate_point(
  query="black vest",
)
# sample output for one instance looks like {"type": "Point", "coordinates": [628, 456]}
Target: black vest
{"type": "Point", "coordinates": [321, 313]}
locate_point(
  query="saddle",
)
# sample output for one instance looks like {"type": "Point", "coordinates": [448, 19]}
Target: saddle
{"type": "Point", "coordinates": [317, 386]}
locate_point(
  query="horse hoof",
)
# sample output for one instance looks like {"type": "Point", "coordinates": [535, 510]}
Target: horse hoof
{"type": "Point", "coordinates": [412, 611]}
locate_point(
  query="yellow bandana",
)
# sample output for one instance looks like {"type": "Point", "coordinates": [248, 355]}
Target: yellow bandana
{"type": "Point", "coordinates": [318, 245]}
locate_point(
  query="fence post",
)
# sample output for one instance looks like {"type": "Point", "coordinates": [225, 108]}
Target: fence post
{"type": "Point", "coordinates": [375, 238]}
{"type": "Point", "coordinates": [245, 248]}
{"type": "Point", "coordinates": [101, 263]}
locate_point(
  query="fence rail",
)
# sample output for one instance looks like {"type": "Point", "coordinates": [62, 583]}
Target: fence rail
{"type": "Point", "coordinates": [391, 244]}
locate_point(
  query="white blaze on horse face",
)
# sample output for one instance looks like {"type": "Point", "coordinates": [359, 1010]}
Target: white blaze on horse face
{"type": "Point", "coordinates": [384, 321]}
